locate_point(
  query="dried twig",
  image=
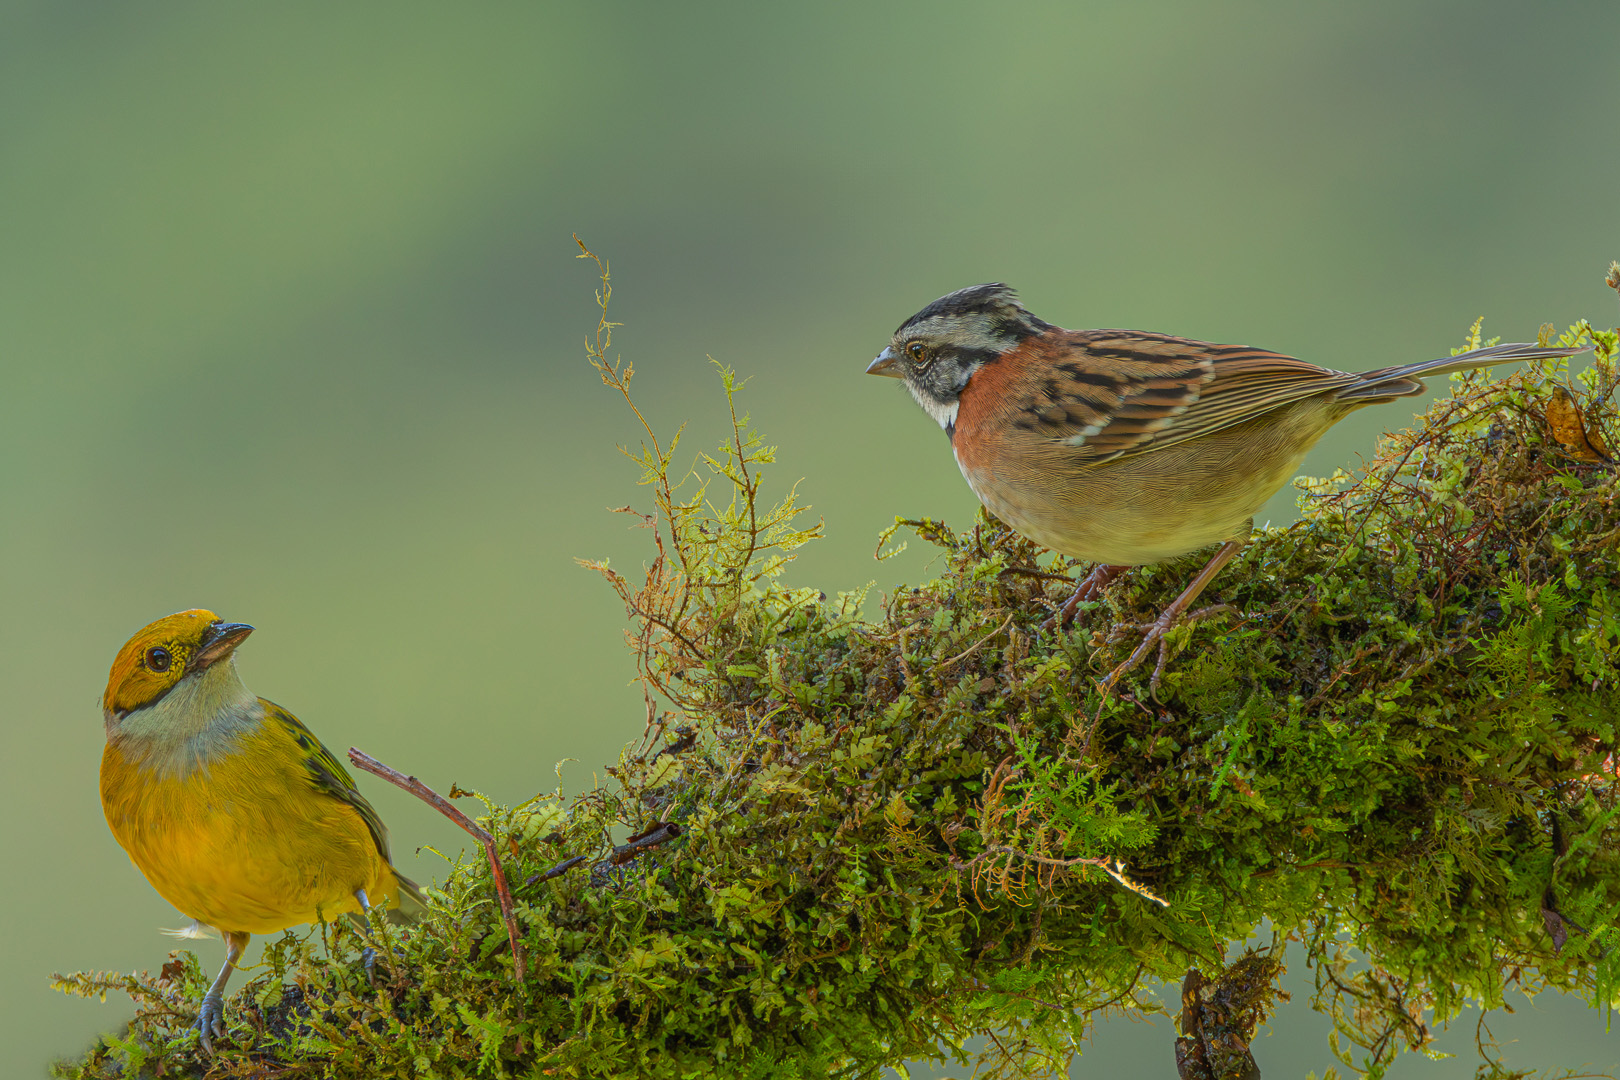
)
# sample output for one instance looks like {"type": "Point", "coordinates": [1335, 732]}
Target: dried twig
{"type": "Point", "coordinates": [442, 805]}
{"type": "Point", "coordinates": [1112, 866]}
{"type": "Point", "coordinates": [556, 871]}
{"type": "Point", "coordinates": [660, 833]}
{"type": "Point", "coordinates": [976, 645]}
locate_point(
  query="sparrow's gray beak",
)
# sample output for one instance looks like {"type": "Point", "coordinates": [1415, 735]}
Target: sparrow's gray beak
{"type": "Point", "coordinates": [887, 363]}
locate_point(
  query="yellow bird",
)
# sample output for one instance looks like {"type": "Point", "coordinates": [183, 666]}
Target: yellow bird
{"type": "Point", "coordinates": [235, 813]}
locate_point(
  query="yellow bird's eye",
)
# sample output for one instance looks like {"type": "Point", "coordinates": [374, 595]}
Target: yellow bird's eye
{"type": "Point", "coordinates": [158, 659]}
{"type": "Point", "coordinates": [916, 351]}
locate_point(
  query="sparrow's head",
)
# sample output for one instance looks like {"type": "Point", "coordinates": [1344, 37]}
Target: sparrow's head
{"type": "Point", "coordinates": [166, 654]}
{"type": "Point", "coordinates": [938, 349]}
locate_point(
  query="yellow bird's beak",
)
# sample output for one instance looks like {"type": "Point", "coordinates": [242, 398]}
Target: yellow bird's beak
{"type": "Point", "coordinates": [219, 641]}
{"type": "Point", "coordinates": [887, 363]}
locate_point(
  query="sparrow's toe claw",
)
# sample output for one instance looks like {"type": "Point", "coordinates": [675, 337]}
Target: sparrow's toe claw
{"type": "Point", "coordinates": [1155, 635]}
{"type": "Point", "coordinates": [1089, 589]}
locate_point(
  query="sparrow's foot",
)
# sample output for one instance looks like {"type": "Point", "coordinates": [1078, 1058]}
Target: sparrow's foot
{"type": "Point", "coordinates": [1089, 589]}
{"type": "Point", "coordinates": [211, 1020]}
{"type": "Point", "coordinates": [1155, 634]}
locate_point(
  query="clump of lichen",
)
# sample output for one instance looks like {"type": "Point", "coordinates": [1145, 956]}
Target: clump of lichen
{"type": "Point", "coordinates": [901, 830]}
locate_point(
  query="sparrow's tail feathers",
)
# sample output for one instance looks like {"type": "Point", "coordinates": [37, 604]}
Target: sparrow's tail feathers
{"type": "Point", "coordinates": [1387, 384]}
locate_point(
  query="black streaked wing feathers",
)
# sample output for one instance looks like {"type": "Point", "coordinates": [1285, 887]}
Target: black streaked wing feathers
{"type": "Point", "coordinates": [327, 774]}
{"type": "Point", "coordinates": [1108, 390]}
{"type": "Point", "coordinates": [1126, 392]}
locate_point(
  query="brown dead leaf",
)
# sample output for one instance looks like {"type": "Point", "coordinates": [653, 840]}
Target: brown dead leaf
{"type": "Point", "coordinates": [1582, 441]}
{"type": "Point", "coordinates": [1557, 923]}
{"type": "Point", "coordinates": [1555, 929]}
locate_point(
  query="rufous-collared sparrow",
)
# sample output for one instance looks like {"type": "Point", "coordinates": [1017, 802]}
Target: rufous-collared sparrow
{"type": "Point", "coordinates": [1123, 447]}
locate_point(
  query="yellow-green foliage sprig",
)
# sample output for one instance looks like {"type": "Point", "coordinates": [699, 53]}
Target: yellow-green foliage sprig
{"type": "Point", "coordinates": [905, 828]}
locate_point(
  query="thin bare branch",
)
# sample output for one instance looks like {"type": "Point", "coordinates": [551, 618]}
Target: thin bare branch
{"type": "Point", "coordinates": [470, 827]}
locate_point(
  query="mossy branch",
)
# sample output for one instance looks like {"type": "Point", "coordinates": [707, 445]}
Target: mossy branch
{"type": "Point", "coordinates": [879, 836]}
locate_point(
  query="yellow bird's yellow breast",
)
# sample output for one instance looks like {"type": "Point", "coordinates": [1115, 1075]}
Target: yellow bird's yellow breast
{"type": "Point", "coordinates": [242, 840]}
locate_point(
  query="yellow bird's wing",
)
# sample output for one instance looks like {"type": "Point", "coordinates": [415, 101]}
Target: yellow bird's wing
{"type": "Point", "coordinates": [326, 774]}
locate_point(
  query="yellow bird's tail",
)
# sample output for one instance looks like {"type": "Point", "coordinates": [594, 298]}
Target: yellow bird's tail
{"type": "Point", "coordinates": [412, 904]}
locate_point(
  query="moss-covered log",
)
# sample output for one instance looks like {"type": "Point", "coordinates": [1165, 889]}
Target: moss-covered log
{"type": "Point", "coordinates": [908, 822]}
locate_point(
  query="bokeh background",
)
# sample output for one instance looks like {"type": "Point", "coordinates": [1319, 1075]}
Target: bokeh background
{"type": "Point", "coordinates": [290, 328]}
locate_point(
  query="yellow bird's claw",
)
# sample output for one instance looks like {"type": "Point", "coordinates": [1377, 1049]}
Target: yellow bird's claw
{"type": "Point", "coordinates": [211, 1021]}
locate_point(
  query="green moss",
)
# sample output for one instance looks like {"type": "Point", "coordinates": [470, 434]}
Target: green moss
{"type": "Point", "coordinates": [900, 831]}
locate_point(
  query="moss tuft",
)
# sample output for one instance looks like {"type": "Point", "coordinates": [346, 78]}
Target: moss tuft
{"type": "Point", "coordinates": [900, 830]}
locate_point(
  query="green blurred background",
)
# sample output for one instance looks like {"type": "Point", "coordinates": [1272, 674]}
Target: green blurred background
{"type": "Point", "coordinates": [290, 328]}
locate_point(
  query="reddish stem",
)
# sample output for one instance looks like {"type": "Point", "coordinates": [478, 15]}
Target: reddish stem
{"type": "Point", "coordinates": [442, 805]}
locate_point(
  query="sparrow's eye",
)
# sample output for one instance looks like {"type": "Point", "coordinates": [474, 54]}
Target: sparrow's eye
{"type": "Point", "coordinates": [916, 351]}
{"type": "Point", "coordinates": [158, 658]}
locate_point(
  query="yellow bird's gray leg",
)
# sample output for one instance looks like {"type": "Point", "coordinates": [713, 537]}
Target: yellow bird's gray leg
{"type": "Point", "coordinates": [368, 955]}
{"type": "Point", "coordinates": [211, 1018]}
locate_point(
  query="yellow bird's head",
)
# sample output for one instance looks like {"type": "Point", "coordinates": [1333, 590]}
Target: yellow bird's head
{"type": "Point", "coordinates": [165, 654]}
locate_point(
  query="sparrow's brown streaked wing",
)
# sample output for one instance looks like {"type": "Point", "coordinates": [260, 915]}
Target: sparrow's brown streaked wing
{"type": "Point", "coordinates": [1104, 392]}
{"type": "Point", "coordinates": [1118, 393]}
